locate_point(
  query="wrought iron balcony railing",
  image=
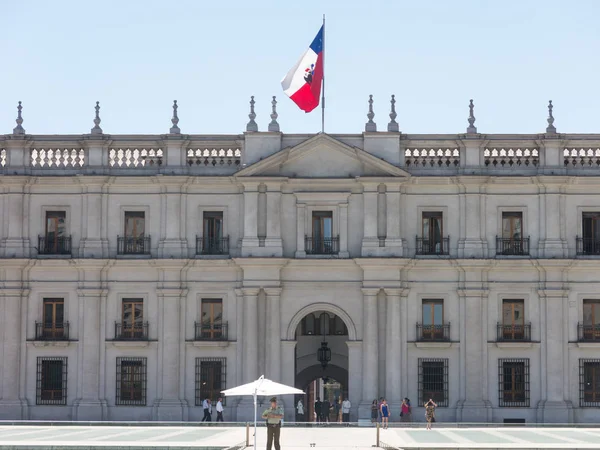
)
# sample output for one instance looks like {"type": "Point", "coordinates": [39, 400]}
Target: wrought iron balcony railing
{"type": "Point", "coordinates": [588, 333]}
{"type": "Point", "coordinates": [133, 245]}
{"type": "Point", "coordinates": [210, 331]}
{"type": "Point", "coordinates": [433, 333]}
{"type": "Point", "coordinates": [52, 331]}
{"type": "Point", "coordinates": [54, 246]}
{"type": "Point", "coordinates": [587, 246]}
{"type": "Point", "coordinates": [321, 246]}
{"type": "Point", "coordinates": [514, 333]}
{"type": "Point", "coordinates": [131, 332]}
{"type": "Point", "coordinates": [426, 246]}
{"type": "Point", "coordinates": [512, 246]}
{"type": "Point", "coordinates": [207, 245]}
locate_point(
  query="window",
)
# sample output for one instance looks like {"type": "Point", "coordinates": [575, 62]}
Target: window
{"type": "Point", "coordinates": [131, 381]}
{"type": "Point", "coordinates": [212, 318]}
{"type": "Point", "coordinates": [512, 225]}
{"type": "Point", "coordinates": [589, 383]}
{"type": "Point", "coordinates": [324, 324]}
{"type": "Point", "coordinates": [432, 327]}
{"type": "Point", "coordinates": [212, 242]}
{"type": "Point", "coordinates": [308, 325]}
{"type": "Point", "coordinates": [591, 226]}
{"type": "Point", "coordinates": [210, 379]}
{"type": "Point", "coordinates": [513, 320]}
{"type": "Point", "coordinates": [132, 318]}
{"type": "Point", "coordinates": [433, 232]}
{"type": "Point", "coordinates": [322, 241]}
{"type": "Point", "coordinates": [54, 313]}
{"type": "Point", "coordinates": [135, 223]}
{"type": "Point", "coordinates": [51, 381]}
{"type": "Point", "coordinates": [213, 225]}
{"type": "Point", "coordinates": [513, 382]}
{"type": "Point", "coordinates": [591, 320]}
{"type": "Point", "coordinates": [55, 240]}
{"type": "Point", "coordinates": [433, 380]}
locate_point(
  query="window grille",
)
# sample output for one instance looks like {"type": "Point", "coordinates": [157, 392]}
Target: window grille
{"type": "Point", "coordinates": [211, 377]}
{"type": "Point", "coordinates": [513, 383]}
{"type": "Point", "coordinates": [131, 381]}
{"type": "Point", "coordinates": [433, 380]}
{"type": "Point", "coordinates": [589, 383]}
{"type": "Point", "coordinates": [51, 381]}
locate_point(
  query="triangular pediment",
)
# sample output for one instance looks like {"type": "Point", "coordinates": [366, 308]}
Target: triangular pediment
{"type": "Point", "coordinates": [322, 156]}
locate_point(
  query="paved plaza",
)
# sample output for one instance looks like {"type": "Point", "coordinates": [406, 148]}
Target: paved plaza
{"type": "Point", "coordinates": [96, 437]}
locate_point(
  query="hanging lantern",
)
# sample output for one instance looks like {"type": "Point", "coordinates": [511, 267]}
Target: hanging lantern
{"type": "Point", "coordinates": [324, 354]}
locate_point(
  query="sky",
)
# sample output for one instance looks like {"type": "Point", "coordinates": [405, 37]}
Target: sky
{"type": "Point", "coordinates": [136, 56]}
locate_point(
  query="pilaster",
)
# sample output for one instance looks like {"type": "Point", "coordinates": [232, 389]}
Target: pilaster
{"type": "Point", "coordinates": [343, 208]}
{"type": "Point", "coordinates": [273, 333]}
{"type": "Point", "coordinates": [301, 230]}
{"type": "Point", "coordinates": [394, 349]}
{"type": "Point", "coordinates": [370, 351]}
{"type": "Point", "coordinates": [273, 242]}
{"type": "Point", "coordinates": [370, 243]}
{"type": "Point", "coordinates": [360, 409]}
{"type": "Point", "coordinates": [171, 243]}
{"type": "Point", "coordinates": [250, 242]}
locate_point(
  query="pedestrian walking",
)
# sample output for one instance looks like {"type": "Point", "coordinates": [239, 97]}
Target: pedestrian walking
{"type": "Point", "coordinates": [207, 407]}
{"type": "Point", "coordinates": [300, 411]}
{"type": "Point", "coordinates": [273, 415]}
{"type": "Point", "coordinates": [430, 412]}
{"type": "Point", "coordinates": [220, 410]}
{"type": "Point", "coordinates": [385, 414]}
{"type": "Point", "coordinates": [374, 411]}
{"type": "Point", "coordinates": [346, 405]}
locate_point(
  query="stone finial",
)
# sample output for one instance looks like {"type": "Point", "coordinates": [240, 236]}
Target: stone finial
{"type": "Point", "coordinates": [175, 120]}
{"type": "Point", "coordinates": [97, 129]}
{"type": "Point", "coordinates": [274, 126]}
{"type": "Point", "coordinates": [393, 125]}
{"type": "Point", "coordinates": [19, 128]}
{"type": "Point", "coordinates": [472, 128]}
{"type": "Point", "coordinates": [252, 126]}
{"type": "Point", "coordinates": [370, 125]}
{"type": "Point", "coordinates": [550, 128]}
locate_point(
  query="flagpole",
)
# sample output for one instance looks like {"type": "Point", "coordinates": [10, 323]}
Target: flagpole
{"type": "Point", "coordinates": [323, 91]}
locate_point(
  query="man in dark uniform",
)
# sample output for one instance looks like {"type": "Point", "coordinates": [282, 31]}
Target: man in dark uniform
{"type": "Point", "coordinates": [273, 415]}
{"type": "Point", "coordinates": [318, 410]}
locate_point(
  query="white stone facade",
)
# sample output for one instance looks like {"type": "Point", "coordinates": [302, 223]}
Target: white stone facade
{"type": "Point", "coordinates": [376, 188]}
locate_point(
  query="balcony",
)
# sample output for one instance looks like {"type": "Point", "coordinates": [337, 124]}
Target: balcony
{"type": "Point", "coordinates": [321, 246]}
{"type": "Point", "coordinates": [133, 245]}
{"type": "Point", "coordinates": [587, 246]}
{"type": "Point", "coordinates": [129, 332]}
{"type": "Point", "coordinates": [208, 245]}
{"type": "Point", "coordinates": [54, 246]}
{"type": "Point", "coordinates": [512, 247]}
{"type": "Point", "coordinates": [426, 246]}
{"type": "Point", "coordinates": [210, 331]}
{"type": "Point", "coordinates": [433, 333]}
{"type": "Point", "coordinates": [51, 332]}
{"type": "Point", "coordinates": [513, 333]}
{"type": "Point", "coordinates": [588, 333]}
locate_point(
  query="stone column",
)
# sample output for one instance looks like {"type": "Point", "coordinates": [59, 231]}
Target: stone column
{"type": "Point", "coordinates": [553, 408]}
{"type": "Point", "coordinates": [301, 230]}
{"type": "Point", "coordinates": [250, 239]}
{"type": "Point", "coordinates": [381, 214]}
{"type": "Point", "coordinates": [16, 244]}
{"type": "Point", "coordinates": [552, 244]}
{"type": "Point", "coordinates": [370, 242]}
{"type": "Point", "coordinates": [343, 207]}
{"type": "Point", "coordinates": [370, 349]}
{"type": "Point", "coordinates": [355, 373]}
{"type": "Point", "coordinates": [171, 243]}
{"type": "Point", "coordinates": [169, 406]}
{"type": "Point", "coordinates": [250, 334]}
{"type": "Point", "coordinates": [393, 239]}
{"type": "Point", "coordinates": [288, 375]}
{"type": "Point", "coordinates": [89, 405]}
{"type": "Point", "coordinates": [404, 341]}
{"type": "Point", "coordinates": [472, 245]}
{"type": "Point", "coordinates": [273, 241]}
{"type": "Point", "coordinates": [393, 349]}
{"type": "Point", "coordinates": [12, 404]}
{"type": "Point", "coordinates": [273, 334]}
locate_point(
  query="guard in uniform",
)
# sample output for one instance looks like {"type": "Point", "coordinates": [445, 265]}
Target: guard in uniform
{"type": "Point", "coordinates": [273, 415]}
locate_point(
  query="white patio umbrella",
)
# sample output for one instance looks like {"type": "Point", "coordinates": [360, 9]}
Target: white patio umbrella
{"type": "Point", "coordinates": [262, 386]}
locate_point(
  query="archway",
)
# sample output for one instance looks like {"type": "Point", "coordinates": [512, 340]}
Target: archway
{"type": "Point", "coordinates": [327, 382]}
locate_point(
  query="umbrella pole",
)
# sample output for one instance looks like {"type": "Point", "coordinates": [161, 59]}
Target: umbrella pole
{"type": "Point", "coordinates": [255, 407]}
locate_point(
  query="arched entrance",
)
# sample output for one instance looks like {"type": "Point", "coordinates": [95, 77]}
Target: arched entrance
{"type": "Point", "coordinates": [326, 382]}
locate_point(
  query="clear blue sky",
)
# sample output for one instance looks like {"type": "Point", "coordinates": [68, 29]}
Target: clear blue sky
{"type": "Point", "coordinates": [136, 57]}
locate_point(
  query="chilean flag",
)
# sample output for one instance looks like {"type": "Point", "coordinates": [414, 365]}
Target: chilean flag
{"type": "Point", "coordinates": [303, 82]}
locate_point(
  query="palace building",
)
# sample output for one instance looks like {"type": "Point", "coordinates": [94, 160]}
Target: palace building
{"type": "Point", "coordinates": [141, 274]}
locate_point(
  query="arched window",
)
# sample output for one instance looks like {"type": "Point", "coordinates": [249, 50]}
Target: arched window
{"type": "Point", "coordinates": [308, 325]}
{"type": "Point", "coordinates": [324, 324]}
{"type": "Point", "coordinates": [340, 327]}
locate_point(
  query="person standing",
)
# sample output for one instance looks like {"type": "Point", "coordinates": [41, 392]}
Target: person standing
{"type": "Point", "coordinates": [385, 414]}
{"type": "Point", "coordinates": [318, 410]}
{"type": "Point", "coordinates": [325, 409]}
{"type": "Point", "coordinates": [405, 411]}
{"type": "Point", "coordinates": [273, 415]}
{"type": "Point", "coordinates": [346, 405]}
{"type": "Point", "coordinates": [430, 412]}
{"type": "Point", "coordinates": [300, 411]}
{"type": "Point", "coordinates": [220, 410]}
{"type": "Point", "coordinates": [374, 411]}
{"type": "Point", "coordinates": [207, 407]}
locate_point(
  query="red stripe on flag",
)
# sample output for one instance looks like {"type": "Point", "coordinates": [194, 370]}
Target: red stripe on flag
{"type": "Point", "coordinates": [308, 96]}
